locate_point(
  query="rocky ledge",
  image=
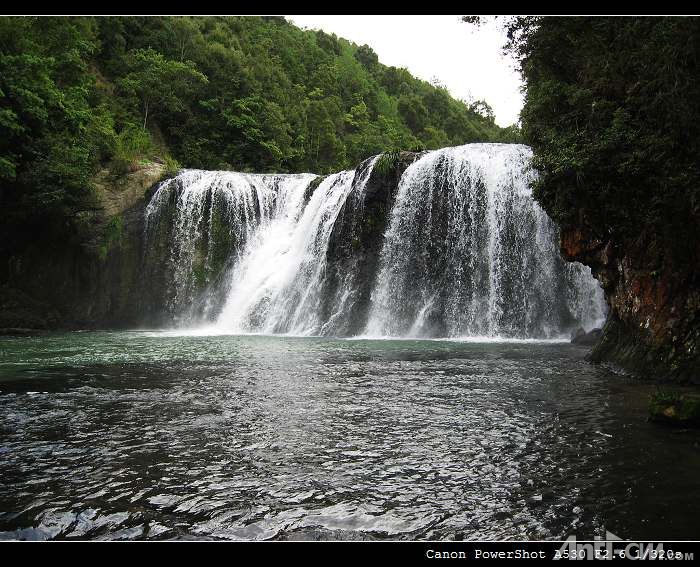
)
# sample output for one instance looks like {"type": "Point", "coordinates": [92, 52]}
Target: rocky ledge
{"type": "Point", "coordinates": [680, 409]}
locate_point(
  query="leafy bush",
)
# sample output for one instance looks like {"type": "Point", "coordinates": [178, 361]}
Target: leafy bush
{"type": "Point", "coordinates": [172, 166]}
{"type": "Point", "coordinates": [132, 144]}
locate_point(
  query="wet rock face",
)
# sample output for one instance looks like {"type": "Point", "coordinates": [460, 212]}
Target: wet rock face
{"type": "Point", "coordinates": [356, 241]}
{"type": "Point", "coordinates": [96, 283]}
{"type": "Point", "coordinates": [20, 312]}
{"type": "Point", "coordinates": [654, 299]}
{"type": "Point", "coordinates": [581, 337]}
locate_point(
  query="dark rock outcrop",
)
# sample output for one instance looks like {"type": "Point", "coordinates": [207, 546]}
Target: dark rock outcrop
{"type": "Point", "coordinates": [651, 287]}
{"type": "Point", "coordinates": [581, 337]}
{"type": "Point", "coordinates": [356, 241]}
{"type": "Point", "coordinates": [93, 283]}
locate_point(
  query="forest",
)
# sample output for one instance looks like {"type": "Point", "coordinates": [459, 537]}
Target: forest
{"type": "Point", "coordinates": [241, 93]}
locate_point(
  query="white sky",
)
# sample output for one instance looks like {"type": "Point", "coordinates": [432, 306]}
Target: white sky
{"type": "Point", "coordinates": [466, 59]}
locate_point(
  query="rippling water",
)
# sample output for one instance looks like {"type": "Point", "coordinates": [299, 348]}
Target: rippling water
{"type": "Point", "coordinates": [154, 435]}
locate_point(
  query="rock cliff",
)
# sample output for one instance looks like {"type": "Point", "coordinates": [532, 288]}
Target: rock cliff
{"type": "Point", "coordinates": [95, 282]}
{"type": "Point", "coordinates": [651, 287]}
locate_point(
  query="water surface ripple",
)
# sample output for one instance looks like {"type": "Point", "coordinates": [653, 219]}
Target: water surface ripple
{"type": "Point", "coordinates": [130, 435]}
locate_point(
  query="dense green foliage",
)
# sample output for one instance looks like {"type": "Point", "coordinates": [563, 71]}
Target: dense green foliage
{"type": "Point", "coordinates": [612, 112]}
{"type": "Point", "coordinates": [246, 93]}
{"type": "Point", "coordinates": [54, 127]}
{"type": "Point", "coordinates": [270, 96]}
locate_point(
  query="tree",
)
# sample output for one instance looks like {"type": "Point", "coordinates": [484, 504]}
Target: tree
{"type": "Point", "coordinates": [53, 128]}
{"type": "Point", "coordinates": [483, 108]}
{"type": "Point", "coordinates": [158, 83]}
{"type": "Point", "coordinates": [367, 57]}
{"type": "Point", "coordinates": [413, 112]}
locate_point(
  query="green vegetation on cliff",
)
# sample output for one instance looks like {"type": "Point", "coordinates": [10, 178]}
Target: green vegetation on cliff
{"type": "Point", "coordinates": [681, 408]}
{"type": "Point", "coordinates": [246, 93]}
{"type": "Point", "coordinates": [612, 114]}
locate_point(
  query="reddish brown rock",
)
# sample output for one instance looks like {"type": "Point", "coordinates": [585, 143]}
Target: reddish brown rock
{"type": "Point", "coordinates": [654, 323]}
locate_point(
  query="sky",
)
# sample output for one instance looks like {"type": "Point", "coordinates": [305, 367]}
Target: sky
{"type": "Point", "coordinates": [466, 59]}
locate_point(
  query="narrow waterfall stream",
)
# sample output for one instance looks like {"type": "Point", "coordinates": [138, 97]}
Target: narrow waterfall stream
{"type": "Point", "coordinates": [278, 285]}
{"type": "Point", "coordinates": [466, 252]}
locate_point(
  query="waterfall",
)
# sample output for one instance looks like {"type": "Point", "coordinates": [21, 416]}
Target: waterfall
{"type": "Point", "coordinates": [207, 220]}
{"type": "Point", "coordinates": [468, 252]}
{"type": "Point", "coordinates": [458, 248]}
{"type": "Point", "coordinates": [279, 284]}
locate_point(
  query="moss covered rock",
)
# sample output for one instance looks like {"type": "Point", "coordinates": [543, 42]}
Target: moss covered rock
{"type": "Point", "coordinates": [675, 408]}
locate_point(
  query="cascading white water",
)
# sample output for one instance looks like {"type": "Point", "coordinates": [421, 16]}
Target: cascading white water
{"type": "Point", "coordinates": [207, 208]}
{"type": "Point", "coordinates": [278, 286]}
{"type": "Point", "coordinates": [468, 252]}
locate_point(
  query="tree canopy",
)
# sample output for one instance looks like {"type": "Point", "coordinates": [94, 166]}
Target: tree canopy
{"type": "Point", "coordinates": [247, 93]}
{"type": "Point", "coordinates": [612, 112]}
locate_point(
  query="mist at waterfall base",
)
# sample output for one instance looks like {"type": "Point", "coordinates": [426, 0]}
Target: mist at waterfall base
{"type": "Point", "coordinates": [472, 417]}
{"type": "Point", "coordinates": [467, 253]}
